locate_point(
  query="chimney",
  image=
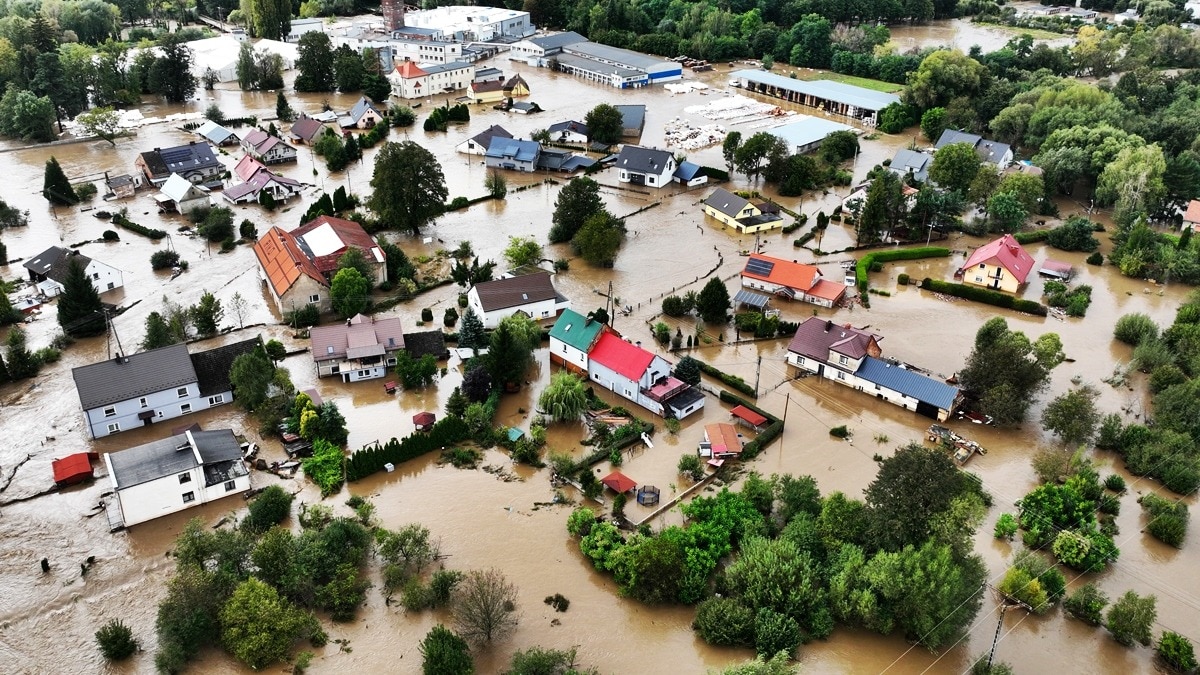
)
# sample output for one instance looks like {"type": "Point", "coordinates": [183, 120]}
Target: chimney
{"type": "Point", "coordinates": [828, 325]}
{"type": "Point", "coordinates": [347, 322]}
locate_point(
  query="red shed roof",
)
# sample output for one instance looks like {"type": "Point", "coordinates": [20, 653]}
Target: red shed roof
{"type": "Point", "coordinates": [620, 356]}
{"type": "Point", "coordinates": [751, 417]}
{"type": "Point", "coordinates": [72, 468]}
{"type": "Point", "coordinates": [424, 419]}
{"type": "Point", "coordinates": [1007, 253]}
{"type": "Point", "coordinates": [783, 272]}
{"type": "Point", "coordinates": [618, 482]}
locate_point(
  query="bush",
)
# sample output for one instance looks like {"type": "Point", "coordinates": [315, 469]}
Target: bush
{"type": "Point", "coordinates": [247, 230]}
{"type": "Point", "coordinates": [902, 279]}
{"type": "Point", "coordinates": [268, 509]}
{"type": "Point", "coordinates": [427, 315]}
{"type": "Point", "coordinates": [165, 259]}
{"type": "Point", "coordinates": [984, 295]}
{"type": "Point", "coordinates": [1115, 483]}
{"type": "Point", "coordinates": [116, 640]}
{"type": "Point", "coordinates": [775, 632]}
{"type": "Point", "coordinates": [1006, 526]}
{"type": "Point", "coordinates": [458, 203]}
{"type": "Point", "coordinates": [840, 432]}
{"type": "Point", "coordinates": [450, 317]}
{"type": "Point", "coordinates": [1087, 604]}
{"type": "Point", "coordinates": [86, 190]}
{"type": "Point", "coordinates": [111, 235]}
{"type": "Point", "coordinates": [1168, 519]}
{"type": "Point", "coordinates": [121, 221]}
{"type": "Point", "coordinates": [1132, 329]}
{"type": "Point", "coordinates": [1176, 651]}
{"type": "Point", "coordinates": [308, 315]}
{"type": "Point", "coordinates": [1095, 259]}
{"type": "Point", "coordinates": [691, 466]}
{"type": "Point", "coordinates": [725, 622]}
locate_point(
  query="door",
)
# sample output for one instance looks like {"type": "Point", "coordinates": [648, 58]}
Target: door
{"type": "Point", "coordinates": [927, 410]}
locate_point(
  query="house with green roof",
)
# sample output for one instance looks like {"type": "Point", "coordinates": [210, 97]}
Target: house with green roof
{"type": "Point", "coordinates": [571, 338]}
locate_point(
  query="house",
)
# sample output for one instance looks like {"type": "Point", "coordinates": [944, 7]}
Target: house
{"type": "Point", "coordinates": [852, 357]}
{"type": "Point", "coordinates": [1025, 167]}
{"type": "Point", "coordinates": [216, 134]}
{"type": "Point", "coordinates": [362, 348]}
{"type": "Point", "coordinates": [740, 213]}
{"type": "Point", "coordinates": [721, 441]}
{"type": "Point", "coordinates": [268, 149]}
{"type": "Point", "coordinates": [911, 163]}
{"type": "Point", "coordinates": [363, 115]}
{"type": "Point", "coordinates": [141, 389]}
{"type": "Point", "coordinates": [806, 134]}
{"type": "Point", "coordinates": [516, 86]}
{"type": "Point", "coordinates": [512, 154]}
{"type": "Point", "coordinates": [569, 131]}
{"type": "Point", "coordinates": [122, 186]}
{"type": "Point", "coordinates": [297, 266]}
{"type": "Point", "coordinates": [645, 166]}
{"type": "Point", "coordinates": [258, 180]}
{"type": "Point", "coordinates": [690, 174]}
{"type": "Point", "coordinates": [298, 27]}
{"type": "Point", "coordinates": [478, 144]}
{"type": "Point", "coordinates": [175, 473]}
{"type": "Point", "coordinates": [541, 47]}
{"type": "Point", "coordinates": [49, 269]}
{"type": "Point", "coordinates": [194, 161]}
{"type": "Point", "coordinates": [530, 294]}
{"type": "Point", "coordinates": [1000, 265]}
{"type": "Point", "coordinates": [792, 280]}
{"type": "Point", "coordinates": [1191, 217]}
{"type": "Point", "coordinates": [489, 75]}
{"type": "Point", "coordinates": [571, 338]}
{"type": "Point", "coordinates": [182, 196]}
{"type": "Point", "coordinates": [411, 81]}
{"type": "Point", "coordinates": [551, 159]}
{"type": "Point", "coordinates": [995, 153]}
{"type": "Point", "coordinates": [487, 92]}
{"type": "Point", "coordinates": [642, 377]}
{"type": "Point", "coordinates": [306, 130]}
{"type": "Point", "coordinates": [633, 119]}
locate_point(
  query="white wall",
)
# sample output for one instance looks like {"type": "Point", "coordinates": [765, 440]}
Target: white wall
{"type": "Point", "coordinates": [164, 496]}
{"type": "Point", "coordinates": [166, 405]}
{"type": "Point", "coordinates": [568, 353]}
{"type": "Point", "coordinates": [104, 277]}
{"type": "Point", "coordinates": [544, 309]}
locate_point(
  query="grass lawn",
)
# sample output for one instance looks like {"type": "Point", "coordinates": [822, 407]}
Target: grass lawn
{"type": "Point", "coordinates": [1035, 33]}
{"type": "Point", "coordinates": [865, 82]}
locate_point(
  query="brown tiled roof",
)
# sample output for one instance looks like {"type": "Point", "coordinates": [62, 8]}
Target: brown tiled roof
{"type": "Point", "coordinates": [350, 233]}
{"type": "Point", "coordinates": [816, 336]}
{"type": "Point", "coordinates": [360, 332]}
{"type": "Point", "coordinates": [515, 291]}
{"type": "Point", "coordinates": [283, 261]}
{"type": "Point", "coordinates": [307, 128]}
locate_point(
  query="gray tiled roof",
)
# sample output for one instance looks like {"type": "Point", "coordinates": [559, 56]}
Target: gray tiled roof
{"type": "Point", "coordinates": [212, 366]}
{"type": "Point", "coordinates": [726, 202]}
{"type": "Point", "coordinates": [515, 291]}
{"type": "Point", "coordinates": [172, 455]}
{"type": "Point", "coordinates": [133, 376]}
{"type": "Point", "coordinates": [643, 160]}
{"type": "Point", "coordinates": [55, 262]}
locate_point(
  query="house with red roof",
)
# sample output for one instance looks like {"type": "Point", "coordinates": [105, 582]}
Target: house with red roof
{"type": "Point", "coordinates": [297, 266]}
{"type": "Point", "coordinates": [792, 280]}
{"type": "Point", "coordinates": [641, 376]}
{"type": "Point", "coordinates": [1191, 217]}
{"type": "Point", "coordinates": [1001, 265]}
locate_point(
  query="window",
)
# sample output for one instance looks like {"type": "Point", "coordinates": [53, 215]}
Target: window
{"type": "Point", "coordinates": [329, 349]}
{"type": "Point", "coordinates": [143, 402]}
{"type": "Point", "coordinates": [111, 411]}
{"type": "Point", "coordinates": [185, 478]}
{"type": "Point", "coordinates": [216, 400]}
{"type": "Point", "coordinates": [95, 275]}
{"type": "Point", "coordinates": [229, 485]}
{"type": "Point", "coordinates": [982, 265]}
{"type": "Point", "coordinates": [189, 497]}
{"type": "Point", "coordinates": [182, 391]}
{"type": "Point", "coordinates": [314, 298]}
{"type": "Point", "coordinates": [185, 408]}
{"type": "Point", "coordinates": [843, 360]}
{"type": "Point", "coordinates": [841, 375]}
{"type": "Point", "coordinates": [113, 427]}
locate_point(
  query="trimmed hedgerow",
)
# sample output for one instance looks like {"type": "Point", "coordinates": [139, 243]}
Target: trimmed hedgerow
{"type": "Point", "coordinates": [985, 296]}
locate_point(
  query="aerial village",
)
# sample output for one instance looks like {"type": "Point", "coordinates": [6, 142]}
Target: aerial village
{"type": "Point", "coordinates": [763, 341]}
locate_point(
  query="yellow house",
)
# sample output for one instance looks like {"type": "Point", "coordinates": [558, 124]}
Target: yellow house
{"type": "Point", "coordinates": [740, 213]}
{"type": "Point", "coordinates": [487, 92]}
{"type": "Point", "coordinates": [516, 87]}
{"type": "Point", "coordinates": [1001, 265]}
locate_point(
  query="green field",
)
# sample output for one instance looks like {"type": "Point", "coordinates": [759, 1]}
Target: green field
{"type": "Point", "coordinates": [865, 82]}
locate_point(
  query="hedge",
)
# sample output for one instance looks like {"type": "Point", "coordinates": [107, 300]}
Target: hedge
{"type": "Point", "coordinates": [984, 295]}
{"type": "Point", "coordinates": [773, 430]}
{"type": "Point", "coordinates": [1032, 236]}
{"type": "Point", "coordinates": [728, 380]}
{"type": "Point", "coordinates": [865, 263]}
{"type": "Point", "coordinates": [445, 432]}
{"type": "Point", "coordinates": [122, 221]}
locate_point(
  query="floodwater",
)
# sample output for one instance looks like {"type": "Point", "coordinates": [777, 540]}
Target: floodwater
{"type": "Point", "coordinates": [46, 621]}
{"type": "Point", "coordinates": [961, 34]}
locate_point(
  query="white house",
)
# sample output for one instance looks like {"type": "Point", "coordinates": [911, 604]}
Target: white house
{"type": "Point", "coordinates": [141, 389]}
{"type": "Point", "coordinates": [362, 348]}
{"type": "Point", "coordinates": [49, 268]}
{"type": "Point", "coordinates": [409, 80]}
{"type": "Point", "coordinates": [791, 280]}
{"type": "Point", "coordinates": [268, 149]}
{"type": "Point", "coordinates": [531, 294]}
{"type": "Point", "coordinates": [512, 154]}
{"type": "Point", "coordinates": [181, 195]}
{"type": "Point", "coordinates": [478, 144]}
{"type": "Point", "coordinates": [176, 473]}
{"type": "Point", "coordinates": [645, 166]}
{"type": "Point", "coordinates": [299, 27]}
{"type": "Point", "coordinates": [571, 338]}
{"type": "Point", "coordinates": [641, 376]}
{"type": "Point", "coordinates": [569, 131]}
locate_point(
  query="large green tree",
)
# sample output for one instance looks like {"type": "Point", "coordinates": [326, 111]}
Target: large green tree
{"type": "Point", "coordinates": [577, 201]}
{"type": "Point", "coordinates": [350, 292]}
{"type": "Point", "coordinates": [171, 73]}
{"type": "Point", "coordinates": [443, 652]}
{"type": "Point", "coordinates": [945, 75]}
{"type": "Point", "coordinates": [56, 188]}
{"type": "Point", "coordinates": [315, 63]}
{"type": "Point", "coordinates": [348, 69]}
{"type": "Point", "coordinates": [258, 626]}
{"type": "Point", "coordinates": [26, 115]}
{"type": "Point", "coordinates": [511, 348]}
{"type": "Point", "coordinates": [409, 188]}
{"type": "Point", "coordinates": [884, 210]}
{"type": "Point", "coordinates": [565, 398]}
{"type": "Point", "coordinates": [207, 315]}
{"type": "Point", "coordinates": [1131, 618]}
{"type": "Point", "coordinates": [912, 489]}
{"type": "Point", "coordinates": [268, 19]}
{"type": "Point", "coordinates": [251, 375]}
{"type": "Point", "coordinates": [713, 302]}
{"type": "Point", "coordinates": [954, 167]}
{"type": "Point", "coordinates": [1072, 416]}
{"type": "Point", "coordinates": [80, 312]}
{"type": "Point", "coordinates": [604, 123]}
{"type": "Point", "coordinates": [599, 239]}
{"type": "Point", "coordinates": [1007, 370]}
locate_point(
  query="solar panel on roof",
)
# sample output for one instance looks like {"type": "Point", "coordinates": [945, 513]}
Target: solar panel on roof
{"type": "Point", "coordinates": [760, 267]}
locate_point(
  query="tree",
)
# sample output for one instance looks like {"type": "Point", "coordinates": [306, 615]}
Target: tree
{"type": "Point", "coordinates": [1027, 188]}
{"type": "Point", "coordinates": [247, 74]}
{"type": "Point", "coordinates": [268, 509]}
{"type": "Point", "coordinates": [1075, 235]}
{"type": "Point", "coordinates": [577, 201]}
{"type": "Point", "coordinates": [116, 640]}
{"type": "Point", "coordinates": [839, 146]}
{"type": "Point", "coordinates": [1072, 416]}
{"type": "Point", "coordinates": [470, 332]}
{"type": "Point", "coordinates": [445, 653]}
{"type": "Point", "coordinates": [268, 18]}
{"type": "Point", "coordinates": [538, 661]}
{"type": "Point", "coordinates": [80, 312]}
{"type": "Point", "coordinates": [1133, 182]}
{"type": "Point", "coordinates": [523, 251]}
{"type": "Point", "coordinates": [353, 258]}
{"type": "Point", "coordinates": [1087, 604]}
{"type": "Point", "coordinates": [207, 315]}
{"type": "Point", "coordinates": [171, 73]}
{"type": "Point", "coordinates": [942, 76]}
{"type": "Point", "coordinates": [1177, 651]}
{"type": "Point", "coordinates": [315, 63]}
{"type": "Point", "coordinates": [1008, 371]}
{"type": "Point", "coordinates": [158, 333]}
{"type": "Point", "coordinates": [933, 123]}
{"type": "Point", "coordinates": [416, 373]}
{"type": "Point", "coordinates": [565, 398]}
{"type": "Point", "coordinates": [239, 307]}
{"type": "Point", "coordinates": [349, 292]}
{"type": "Point", "coordinates": [688, 370]}
{"type": "Point", "coordinates": [511, 348]}
{"type": "Point", "coordinates": [599, 239]}
{"type": "Point", "coordinates": [912, 489]}
{"type": "Point", "coordinates": [101, 122]}
{"type": "Point", "coordinates": [1133, 329]}
{"type": "Point", "coordinates": [777, 664]}
{"type": "Point", "coordinates": [713, 302]}
{"type": "Point", "coordinates": [409, 188]}
{"type": "Point", "coordinates": [477, 383]}
{"type": "Point", "coordinates": [251, 376]}
{"type": "Point", "coordinates": [1131, 618]}
{"type": "Point", "coordinates": [56, 188]}
{"type": "Point", "coordinates": [275, 351]}
{"type": "Point", "coordinates": [1005, 212]}
{"type": "Point", "coordinates": [283, 109]}
{"type": "Point", "coordinates": [755, 151]}
{"type": "Point", "coordinates": [729, 148]}
{"type": "Point", "coordinates": [954, 167]}
{"type": "Point", "coordinates": [604, 123]}
{"type": "Point", "coordinates": [496, 185]}
{"type": "Point", "coordinates": [258, 626]}
{"type": "Point", "coordinates": [21, 362]}
{"type": "Point", "coordinates": [884, 210]}
{"type": "Point", "coordinates": [485, 608]}
{"type": "Point", "coordinates": [348, 69]}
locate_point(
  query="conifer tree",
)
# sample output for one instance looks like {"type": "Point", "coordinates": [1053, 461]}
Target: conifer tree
{"type": "Point", "coordinates": [158, 332]}
{"type": "Point", "coordinates": [80, 312]}
{"type": "Point", "coordinates": [21, 362]}
{"type": "Point", "coordinates": [56, 188]}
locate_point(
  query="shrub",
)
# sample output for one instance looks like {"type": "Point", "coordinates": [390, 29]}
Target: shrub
{"type": "Point", "coordinates": [247, 230]}
{"type": "Point", "coordinates": [165, 259]}
{"type": "Point", "coordinates": [725, 622]}
{"type": "Point", "coordinates": [1095, 259]}
{"type": "Point", "coordinates": [1115, 483]}
{"type": "Point", "coordinates": [1006, 526]}
{"type": "Point", "coordinates": [984, 295]}
{"type": "Point", "coordinates": [116, 640]}
{"type": "Point", "coordinates": [1168, 519]}
{"type": "Point", "coordinates": [111, 235]}
{"type": "Point", "coordinates": [268, 509]}
{"type": "Point", "coordinates": [1176, 651]}
{"type": "Point", "coordinates": [450, 318]}
{"type": "Point", "coordinates": [775, 632]}
{"type": "Point", "coordinates": [1087, 604]}
{"type": "Point", "coordinates": [691, 466]}
{"type": "Point", "coordinates": [1132, 329]}
{"type": "Point", "coordinates": [840, 432]}
{"type": "Point", "coordinates": [121, 221]}
{"type": "Point", "coordinates": [559, 602]}
{"type": "Point", "coordinates": [308, 315]}
{"type": "Point", "coordinates": [427, 315]}
{"type": "Point", "coordinates": [902, 279]}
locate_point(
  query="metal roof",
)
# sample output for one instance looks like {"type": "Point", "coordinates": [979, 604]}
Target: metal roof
{"type": "Point", "coordinates": [133, 376]}
{"type": "Point", "coordinates": [859, 97]}
{"type": "Point", "coordinates": [511, 148]}
{"type": "Point", "coordinates": [575, 330]}
{"type": "Point", "coordinates": [620, 57]}
{"type": "Point", "coordinates": [745, 297]}
{"type": "Point", "coordinates": [921, 387]}
{"type": "Point", "coordinates": [807, 131]}
{"type": "Point", "coordinates": [632, 116]}
{"type": "Point", "coordinates": [548, 42]}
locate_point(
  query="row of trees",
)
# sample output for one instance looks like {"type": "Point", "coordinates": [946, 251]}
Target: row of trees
{"type": "Point", "coordinates": [581, 218]}
{"type": "Point", "coordinates": [323, 68]}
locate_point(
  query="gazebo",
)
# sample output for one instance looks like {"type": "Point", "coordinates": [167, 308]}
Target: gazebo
{"type": "Point", "coordinates": [618, 482]}
{"type": "Point", "coordinates": [424, 420]}
{"type": "Point", "coordinates": [748, 417]}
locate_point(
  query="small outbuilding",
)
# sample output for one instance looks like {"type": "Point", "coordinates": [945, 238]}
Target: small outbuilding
{"type": "Point", "coordinates": [181, 195]}
{"type": "Point", "coordinates": [424, 420]}
{"type": "Point", "coordinates": [73, 469]}
{"type": "Point", "coordinates": [619, 482]}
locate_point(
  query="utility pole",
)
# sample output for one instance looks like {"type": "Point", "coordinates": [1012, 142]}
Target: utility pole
{"type": "Point", "coordinates": [757, 372]}
{"type": "Point", "coordinates": [787, 403]}
{"type": "Point", "coordinates": [996, 639]}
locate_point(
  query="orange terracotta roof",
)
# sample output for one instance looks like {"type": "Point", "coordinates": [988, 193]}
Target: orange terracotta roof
{"type": "Point", "coordinates": [785, 272]}
{"type": "Point", "coordinates": [828, 290]}
{"type": "Point", "coordinates": [1192, 215]}
{"type": "Point", "coordinates": [283, 261]}
{"type": "Point", "coordinates": [409, 70]}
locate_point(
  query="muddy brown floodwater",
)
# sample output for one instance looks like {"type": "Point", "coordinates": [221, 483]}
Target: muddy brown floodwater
{"type": "Point", "coordinates": [47, 621]}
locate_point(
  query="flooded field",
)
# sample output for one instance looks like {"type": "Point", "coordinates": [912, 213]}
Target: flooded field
{"type": "Point", "coordinates": [46, 621]}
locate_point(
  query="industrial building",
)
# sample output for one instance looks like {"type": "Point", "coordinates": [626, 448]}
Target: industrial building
{"type": "Point", "coordinates": [834, 98]}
